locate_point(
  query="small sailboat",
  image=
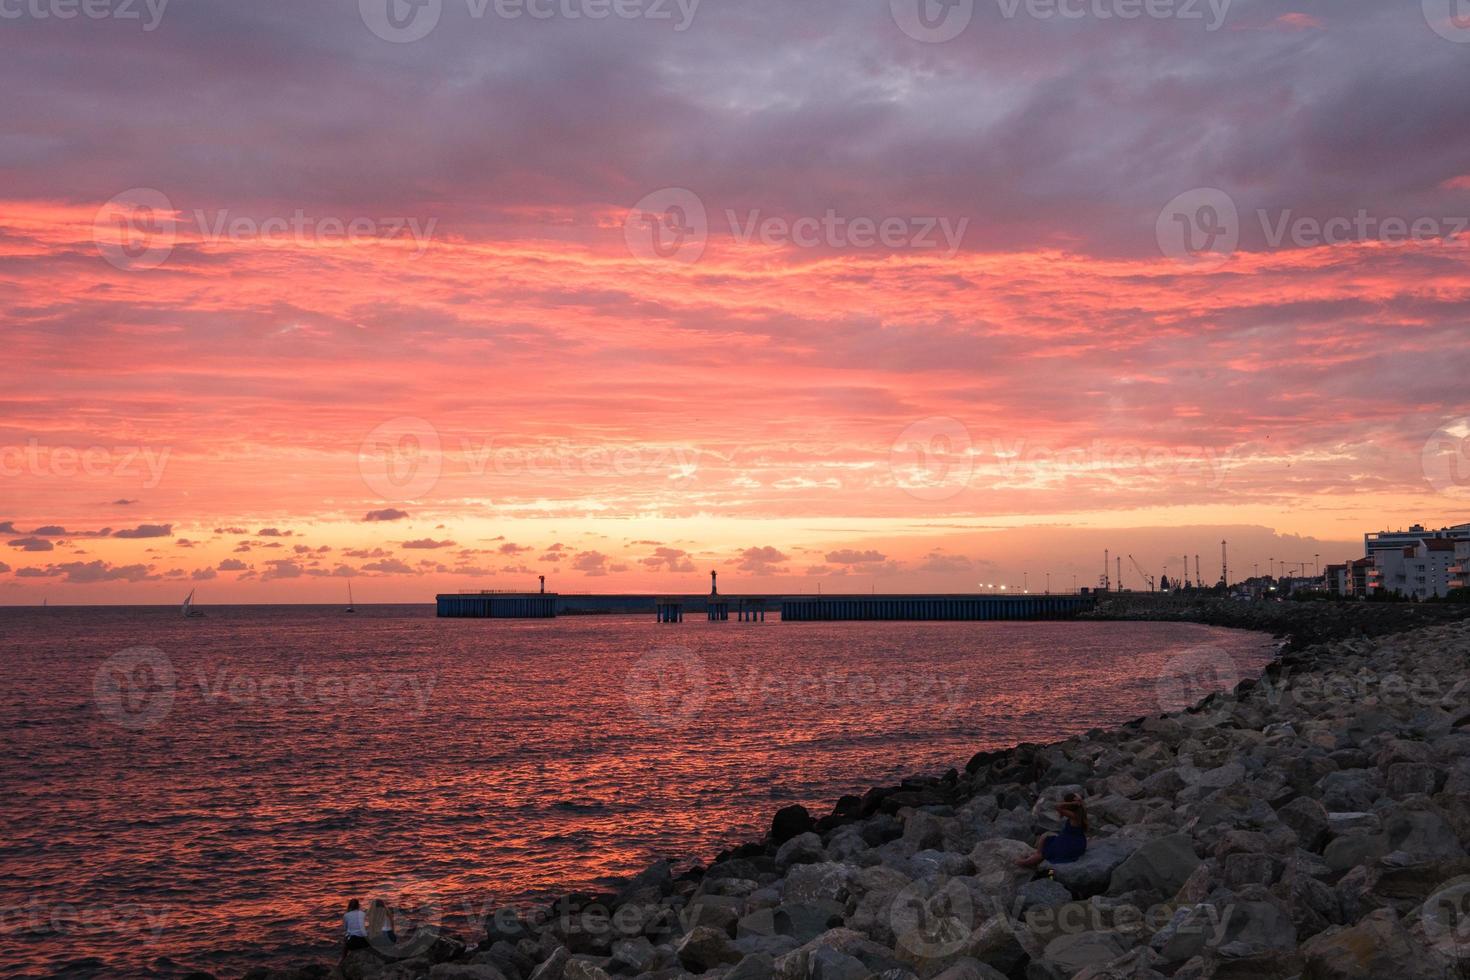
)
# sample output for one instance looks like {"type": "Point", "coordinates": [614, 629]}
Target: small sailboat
{"type": "Point", "coordinates": [187, 610]}
{"type": "Point", "coordinates": [350, 607]}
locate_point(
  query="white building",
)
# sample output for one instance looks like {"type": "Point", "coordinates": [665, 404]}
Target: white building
{"type": "Point", "coordinates": [1421, 570]}
{"type": "Point", "coordinates": [1398, 540]}
{"type": "Point", "coordinates": [1460, 570]}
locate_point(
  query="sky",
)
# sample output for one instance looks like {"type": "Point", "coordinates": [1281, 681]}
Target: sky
{"type": "Point", "coordinates": [865, 295]}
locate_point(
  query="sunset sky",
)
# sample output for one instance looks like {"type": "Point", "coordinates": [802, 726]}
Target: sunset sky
{"type": "Point", "coordinates": [805, 292]}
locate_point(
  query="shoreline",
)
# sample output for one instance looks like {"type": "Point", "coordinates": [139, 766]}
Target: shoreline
{"type": "Point", "coordinates": [828, 897]}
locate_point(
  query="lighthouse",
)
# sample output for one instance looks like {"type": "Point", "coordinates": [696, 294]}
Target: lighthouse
{"type": "Point", "coordinates": [713, 589]}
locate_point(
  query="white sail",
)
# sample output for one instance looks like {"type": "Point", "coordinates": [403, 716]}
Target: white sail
{"type": "Point", "coordinates": [188, 603]}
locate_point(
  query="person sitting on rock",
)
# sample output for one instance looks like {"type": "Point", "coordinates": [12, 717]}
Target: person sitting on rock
{"type": "Point", "coordinates": [380, 922]}
{"type": "Point", "coordinates": [356, 927]}
{"type": "Point", "coordinates": [1070, 843]}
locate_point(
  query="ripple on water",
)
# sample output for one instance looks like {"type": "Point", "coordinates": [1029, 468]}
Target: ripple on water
{"type": "Point", "coordinates": [242, 821]}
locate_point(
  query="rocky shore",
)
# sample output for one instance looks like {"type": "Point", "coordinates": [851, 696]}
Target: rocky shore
{"type": "Point", "coordinates": [1311, 823]}
{"type": "Point", "coordinates": [1300, 624]}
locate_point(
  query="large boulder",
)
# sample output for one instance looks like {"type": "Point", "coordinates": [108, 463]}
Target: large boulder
{"type": "Point", "coordinates": [473, 971]}
{"type": "Point", "coordinates": [1090, 874]}
{"type": "Point", "coordinates": [1071, 953]}
{"type": "Point", "coordinates": [1349, 789]}
{"type": "Point", "coordinates": [970, 969]}
{"type": "Point", "coordinates": [1376, 948]}
{"type": "Point", "coordinates": [829, 881]}
{"type": "Point", "coordinates": [795, 964]}
{"type": "Point", "coordinates": [789, 822]}
{"type": "Point", "coordinates": [1308, 818]}
{"type": "Point", "coordinates": [756, 966]}
{"type": "Point", "coordinates": [1159, 867]}
{"type": "Point", "coordinates": [1042, 893]}
{"type": "Point", "coordinates": [553, 966]}
{"type": "Point", "coordinates": [703, 948]}
{"type": "Point", "coordinates": [801, 849]}
{"type": "Point", "coordinates": [832, 964]}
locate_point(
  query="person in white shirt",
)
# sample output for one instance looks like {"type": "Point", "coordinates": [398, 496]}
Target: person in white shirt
{"type": "Point", "coordinates": [355, 925]}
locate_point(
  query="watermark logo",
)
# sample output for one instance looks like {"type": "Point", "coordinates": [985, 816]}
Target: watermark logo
{"type": "Point", "coordinates": [134, 688]}
{"type": "Point", "coordinates": [667, 687]}
{"type": "Point", "coordinates": [932, 21]}
{"type": "Point", "coordinates": [1199, 228]}
{"type": "Point", "coordinates": [1445, 459]}
{"type": "Point", "coordinates": [933, 458]}
{"type": "Point", "coordinates": [936, 925]}
{"type": "Point", "coordinates": [668, 225]}
{"type": "Point", "coordinates": [1445, 916]}
{"type": "Point", "coordinates": [401, 459]}
{"type": "Point", "coordinates": [1193, 675]}
{"type": "Point", "coordinates": [400, 21]}
{"type": "Point", "coordinates": [134, 231]}
{"type": "Point", "coordinates": [1450, 19]}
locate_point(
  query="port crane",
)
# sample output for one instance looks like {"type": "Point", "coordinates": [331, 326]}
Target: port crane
{"type": "Point", "coordinates": [1141, 573]}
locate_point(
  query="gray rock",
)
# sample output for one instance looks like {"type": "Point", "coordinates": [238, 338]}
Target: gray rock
{"type": "Point", "coordinates": [554, 966]}
{"type": "Point", "coordinates": [801, 849]}
{"type": "Point", "coordinates": [467, 971]}
{"type": "Point", "coordinates": [703, 948]}
{"type": "Point", "coordinates": [1090, 874]}
{"type": "Point", "coordinates": [1071, 953]}
{"type": "Point", "coordinates": [804, 921]}
{"type": "Point", "coordinates": [756, 966]}
{"type": "Point", "coordinates": [1309, 819]}
{"type": "Point", "coordinates": [1350, 851]}
{"type": "Point", "coordinates": [635, 955]}
{"type": "Point", "coordinates": [1407, 778]}
{"type": "Point", "coordinates": [1159, 867]}
{"type": "Point", "coordinates": [968, 968]}
{"type": "Point", "coordinates": [1353, 822]}
{"type": "Point", "coordinates": [1042, 893]}
{"type": "Point", "coordinates": [830, 880]}
{"type": "Point", "coordinates": [577, 969]}
{"type": "Point", "coordinates": [832, 964]}
{"type": "Point", "coordinates": [1349, 789]}
{"type": "Point", "coordinates": [923, 830]}
{"type": "Point", "coordinates": [1241, 869]}
{"type": "Point", "coordinates": [716, 911]}
{"type": "Point", "coordinates": [1377, 948]}
{"type": "Point", "coordinates": [772, 946]}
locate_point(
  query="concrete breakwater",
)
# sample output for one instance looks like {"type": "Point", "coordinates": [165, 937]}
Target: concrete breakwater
{"type": "Point", "coordinates": [1311, 823]}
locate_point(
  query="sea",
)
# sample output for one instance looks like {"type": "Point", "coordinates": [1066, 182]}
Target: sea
{"type": "Point", "coordinates": [206, 793]}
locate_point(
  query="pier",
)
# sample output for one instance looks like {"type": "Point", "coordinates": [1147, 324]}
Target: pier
{"type": "Point", "coordinates": [751, 609]}
{"type": "Point", "coordinates": [834, 608]}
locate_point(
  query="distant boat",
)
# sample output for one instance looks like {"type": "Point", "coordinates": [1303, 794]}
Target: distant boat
{"type": "Point", "coordinates": [188, 610]}
{"type": "Point", "coordinates": [349, 599]}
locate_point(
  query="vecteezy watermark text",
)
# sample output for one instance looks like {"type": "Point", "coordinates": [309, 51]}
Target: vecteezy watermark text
{"type": "Point", "coordinates": [139, 688]}
{"type": "Point", "coordinates": [403, 459]}
{"type": "Point", "coordinates": [149, 13]}
{"type": "Point", "coordinates": [936, 21]}
{"type": "Point", "coordinates": [1202, 227]}
{"type": "Point", "coordinates": [672, 223]}
{"type": "Point", "coordinates": [139, 229]}
{"type": "Point", "coordinates": [404, 21]}
{"type": "Point", "coordinates": [35, 459]}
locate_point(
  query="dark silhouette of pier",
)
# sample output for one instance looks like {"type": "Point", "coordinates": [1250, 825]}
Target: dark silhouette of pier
{"type": "Point", "coordinates": [668, 608]}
